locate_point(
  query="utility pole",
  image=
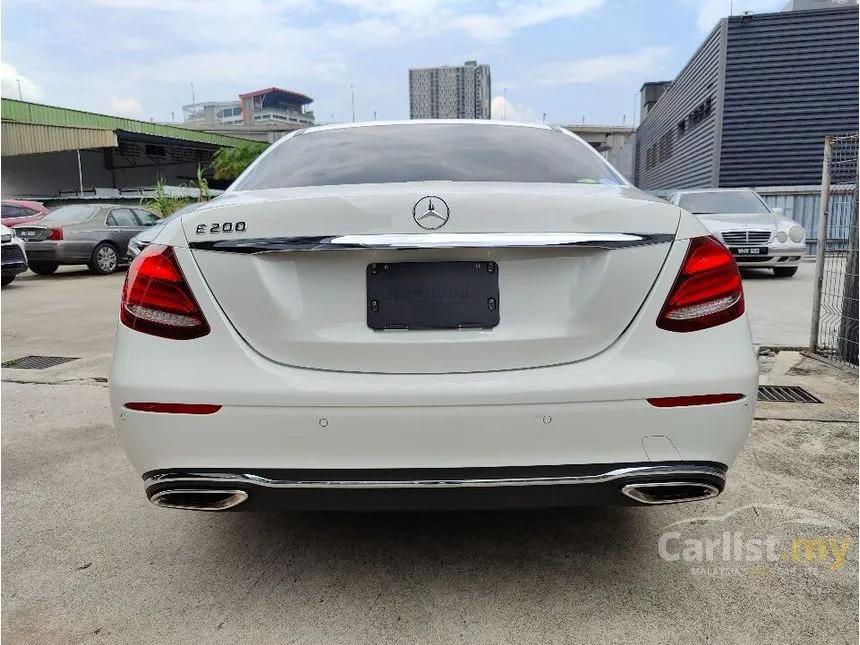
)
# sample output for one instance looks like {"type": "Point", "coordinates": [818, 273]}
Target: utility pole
{"type": "Point", "coordinates": [352, 95]}
{"type": "Point", "coordinates": [193, 100]}
{"type": "Point", "coordinates": [505, 107]}
{"type": "Point", "coordinates": [543, 118]}
{"type": "Point", "coordinates": [374, 115]}
{"type": "Point", "coordinates": [20, 93]}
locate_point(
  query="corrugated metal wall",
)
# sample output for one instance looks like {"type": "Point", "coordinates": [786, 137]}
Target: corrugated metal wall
{"type": "Point", "coordinates": [690, 163]}
{"type": "Point", "coordinates": [791, 79]}
{"type": "Point", "coordinates": [30, 138]}
{"type": "Point", "coordinates": [801, 203]}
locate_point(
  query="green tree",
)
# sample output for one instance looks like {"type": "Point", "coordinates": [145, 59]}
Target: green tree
{"type": "Point", "coordinates": [229, 163]}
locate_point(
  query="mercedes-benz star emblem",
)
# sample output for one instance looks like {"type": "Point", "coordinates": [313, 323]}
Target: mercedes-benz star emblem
{"type": "Point", "coordinates": [431, 213]}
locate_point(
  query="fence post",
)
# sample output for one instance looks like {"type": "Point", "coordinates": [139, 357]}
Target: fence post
{"type": "Point", "coordinates": [848, 345]}
{"type": "Point", "coordinates": [821, 244]}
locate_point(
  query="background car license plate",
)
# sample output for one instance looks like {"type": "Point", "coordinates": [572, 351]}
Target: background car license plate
{"type": "Point", "coordinates": [432, 295]}
{"type": "Point", "coordinates": [750, 250]}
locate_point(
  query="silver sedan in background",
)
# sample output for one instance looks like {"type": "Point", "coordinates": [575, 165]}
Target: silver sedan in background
{"type": "Point", "coordinates": [96, 235]}
{"type": "Point", "coordinates": [757, 235]}
{"type": "Point", "coordinates": [143, 239]}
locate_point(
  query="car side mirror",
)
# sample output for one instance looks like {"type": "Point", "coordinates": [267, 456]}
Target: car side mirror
{"type": "Point", "coordinates": [777, 211]}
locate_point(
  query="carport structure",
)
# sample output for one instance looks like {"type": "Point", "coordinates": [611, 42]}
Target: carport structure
{"type": "Point", "coordinates": [50, 152]}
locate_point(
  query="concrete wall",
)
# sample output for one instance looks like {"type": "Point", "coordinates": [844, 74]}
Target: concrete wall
{"type": "Point", "coordinates": [624, 158]}
{"type": "Point", "coordinates": [45, 175]}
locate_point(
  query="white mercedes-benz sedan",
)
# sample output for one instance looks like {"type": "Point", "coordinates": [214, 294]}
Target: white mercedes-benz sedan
{"type": "Point", "coordinates": [757, 235]}
{"type": "Point", "coordinates": [432, 315]}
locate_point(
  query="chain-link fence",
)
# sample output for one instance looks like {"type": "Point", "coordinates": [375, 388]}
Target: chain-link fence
{"type": "Point", "coordinates": [835, 298]}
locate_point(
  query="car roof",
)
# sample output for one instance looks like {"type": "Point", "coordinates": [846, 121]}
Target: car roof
{"type": "Point", "coordinates": [110, 205]}
{"type": "Point", "coordinates": [23, 202]}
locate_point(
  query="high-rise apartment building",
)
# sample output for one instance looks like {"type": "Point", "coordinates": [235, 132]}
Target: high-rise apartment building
{"type": "Point", "coordinates": [462, 92]}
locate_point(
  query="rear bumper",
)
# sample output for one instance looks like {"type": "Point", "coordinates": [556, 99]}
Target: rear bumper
{"type": "Point", "coordinates": [437, 489]}
{"type": "Point", "coordinates": [62, 252]}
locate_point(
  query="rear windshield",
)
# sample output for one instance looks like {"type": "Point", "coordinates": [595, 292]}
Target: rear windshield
{"type": "Point", "coordinates": [704, 203]}
{"type": "Point", "coordinates": [428, 152]}
{"type": "Point", "coordinates": [76, 213]}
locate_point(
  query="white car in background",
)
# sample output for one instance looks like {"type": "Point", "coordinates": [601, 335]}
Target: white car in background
{"type": "Point", "coordinates": [14, 256]}
{"type": "Point", "coordinates": [432, 314]}
{"type": "Point", "coordinates": [759, 236]}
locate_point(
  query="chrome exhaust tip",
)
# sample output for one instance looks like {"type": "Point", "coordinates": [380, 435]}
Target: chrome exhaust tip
{"type": "Point", "coordinates": [198, 499]}
{"type": "Point", "coordinates": [670, 492]}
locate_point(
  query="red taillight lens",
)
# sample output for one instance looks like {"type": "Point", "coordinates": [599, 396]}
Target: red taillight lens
{"type": "Point", "coordinates": [55, 234]}
{"type": "Point", "coordinates": [708, 290]}
{"type": "Point", "coordinates": [156, 298]}
{"type": "Point", "coordinates": [695, 399]}
{"type": "Point", "coordinates": [174, 408]}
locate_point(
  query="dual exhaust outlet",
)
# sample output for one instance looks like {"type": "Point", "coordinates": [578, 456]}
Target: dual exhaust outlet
{"type": "Point", "coordinates": [222, 499]}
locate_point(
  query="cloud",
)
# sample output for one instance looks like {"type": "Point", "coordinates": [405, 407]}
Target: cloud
{"type": "Point", "coordinates": [14, 85]}
{"type": "Point", "coordinates": [129, 107]}
{"type": "Point", "coordinates": [509, 18]}
{"type": "Point", "coordinates": [709, 12]}
{"type": "Point", "coordinates": [502, 109]}
{"type": "Point", "coordinates": [601, 69]}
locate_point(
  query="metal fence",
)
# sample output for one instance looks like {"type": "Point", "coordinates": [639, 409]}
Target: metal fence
{"type": "Point", "coordinates": [803, 204]}
{"type": "Point", "coordinates": [835, 326]}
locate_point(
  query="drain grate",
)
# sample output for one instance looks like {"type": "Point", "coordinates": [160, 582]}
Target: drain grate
{"type": "Point", "coordinates": [785, 394]}
{"type": "Point", "coordinates": [36, 362]}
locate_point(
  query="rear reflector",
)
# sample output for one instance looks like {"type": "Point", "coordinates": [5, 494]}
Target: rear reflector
{"type": "Point", "coordinates": [55, 234]}
{"type": "Point", "coordinates": [156, 298]}
{"type": "Point", "coordinates": [696, 399]}
{"type": "Point", "coordinates": [174, 408]}
{"type": "Point", "coordinates": [708, 290]}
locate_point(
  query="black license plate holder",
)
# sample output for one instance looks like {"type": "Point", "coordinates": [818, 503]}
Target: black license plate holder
{"type": "Point", "coordinates": [746, 251]}
{"type": "Point", "coordinates": [433, 295]}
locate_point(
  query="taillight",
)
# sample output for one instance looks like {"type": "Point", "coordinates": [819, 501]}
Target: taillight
{"type": "Point", "coordinates": [55, 234]}
{"type": "Point", "coordinates": [707, 291]}
{"type": "Point", "coordinates": [156, 298]}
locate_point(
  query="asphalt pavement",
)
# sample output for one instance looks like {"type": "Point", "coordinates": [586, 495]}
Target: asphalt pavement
{"type": "Point", "coordinates": [86, 559]}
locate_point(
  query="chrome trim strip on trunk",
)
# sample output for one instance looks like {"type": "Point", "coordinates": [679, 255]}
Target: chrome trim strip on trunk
{"type": "Point", "coordinates": [232, 479]}
{"type": "Point", "coordinates": [413, 241]}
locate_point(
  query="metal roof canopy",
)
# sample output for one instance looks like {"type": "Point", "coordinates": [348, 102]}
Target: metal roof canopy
{"type": "Point", "coordinates": [125, 135]}
{"type": "Point", "coordinates": [33, 138]}
{"type": "Point", "coordinates": [295, 97]}
{"type": "Point", "coordinates": [35, 113]}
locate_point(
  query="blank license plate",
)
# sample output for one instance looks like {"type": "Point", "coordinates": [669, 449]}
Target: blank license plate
{"type": "Point", "coordinates": [750, 250]}
{"type": "Point", "coordinates": [433, 295]}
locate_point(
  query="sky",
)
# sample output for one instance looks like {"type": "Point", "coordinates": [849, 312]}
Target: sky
{"type": "Point", "coordinates": [573, 61]}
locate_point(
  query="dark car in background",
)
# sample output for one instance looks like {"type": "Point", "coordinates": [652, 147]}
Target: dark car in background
{"type": "Point", "coordinates": [96, 235]}
{"type": "Point", "coordinates": [18, 211]}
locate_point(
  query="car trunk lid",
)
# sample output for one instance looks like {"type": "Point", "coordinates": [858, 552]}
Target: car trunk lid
{"type": "Point", "coordinates": [568, 266]}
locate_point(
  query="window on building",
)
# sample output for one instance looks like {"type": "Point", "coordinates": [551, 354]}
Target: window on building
{"type": "Point", "coordinates": [695, 117]}
{"type": "Point", "coordinates": [155, 151]}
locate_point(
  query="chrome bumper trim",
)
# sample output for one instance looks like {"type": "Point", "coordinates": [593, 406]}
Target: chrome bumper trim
{"type": "Point", "coordinates": [232, 479]}
{"type": "Point", "coordinates": [413, 241]}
